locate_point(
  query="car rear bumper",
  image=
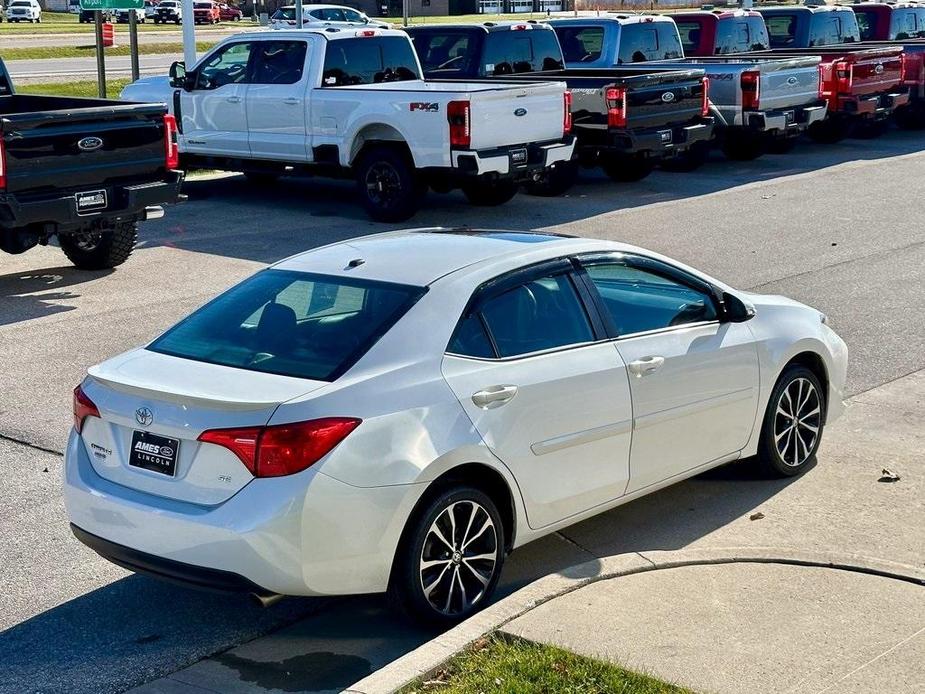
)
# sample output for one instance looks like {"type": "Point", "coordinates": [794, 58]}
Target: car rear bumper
{"type": "Point", "coordinates": [786, 121]}
{"type": "Point", "coordinates": [60, 210]}
{"type": "Point", "coordinates": [305, 534]}
{"type": "Point", "coordinates": [653, 143]}
{"type": "Point", "coordinates": [874, 106]}
{"type": "Point", "coordinates": [504, 162]}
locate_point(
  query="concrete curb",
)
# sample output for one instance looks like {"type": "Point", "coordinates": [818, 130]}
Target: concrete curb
{"type": "Point", "coordinates": [430, 656]}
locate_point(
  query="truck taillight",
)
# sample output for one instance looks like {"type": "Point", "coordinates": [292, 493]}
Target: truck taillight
{"type": "Point", "coordinates": [567, 116]}
{"type": "Point", "coordinates": [459, 116]}
{"type": "Point", "coordinates": [2, 164]}
{"type": "Point", "coordinates": [705, 103]}
{"type": "Point", "coordinates": [616, 107]}
{"type": "Point", "coordinates": [520, 27]}
{"type": "Point", "coordinates": [751, 90]}
{"type": "Point", "coordinates": [171, 143]}
{"type": "Point", "coordinates": [366, 33]}
{"type": "Point", "coordinates": [844, 76]}
{"type": "Point", "coordinates": [283, 449]}
{"type": "Point", "coordinates": [83, 407]}
{"type": "Point", "coordinates": [903, 67]}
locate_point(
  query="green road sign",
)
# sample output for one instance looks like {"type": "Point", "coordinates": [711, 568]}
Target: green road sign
{"type": "Point", "coordinates": [112, 4]}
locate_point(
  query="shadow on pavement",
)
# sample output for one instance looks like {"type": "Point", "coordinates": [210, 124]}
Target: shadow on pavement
{"type": "Point", "coordinates": [27, 295]}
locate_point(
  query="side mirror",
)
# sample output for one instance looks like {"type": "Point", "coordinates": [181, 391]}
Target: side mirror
{"type": "Point", "coordinates": [178, 75]}
{"type": "Point", "coordinates": [736, 310]}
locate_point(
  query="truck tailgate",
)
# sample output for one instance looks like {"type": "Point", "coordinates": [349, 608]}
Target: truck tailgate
{"type": "Point", "coordinates": [873, 70]}
{"type": "Point", "coordinates": [86, 143]}
{"type": "Point", "coordinates": [517, 113]}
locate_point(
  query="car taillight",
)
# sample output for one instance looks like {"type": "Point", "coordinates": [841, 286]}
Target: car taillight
{"type": "Point", "coordinates": [2, 164]}
{"type": "Point", "coordinates": [844, 77]}
{"type": "Point", "coordinates": [705, 103]}
{"type": "Point", "coordinates": [283, 449]}
{"type": "Point", "coordinates": [751, 90]}
{"type": "Point", "coordinates": [171, 143]}
{"type": "Point", "coordinates": [616, 107]}
{"type": "Point", "coordinates": [903, 67]}
{"type": "Point", "coordinates": [567, 116]}
{"type": "Point", "coordinates": [458, 113]}
{"type": "Point", "coordinates": [83, 407]}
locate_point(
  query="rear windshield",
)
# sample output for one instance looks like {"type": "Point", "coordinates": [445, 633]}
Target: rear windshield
{"type": "Point", "coordinates": [369, 60]}
{"type": "Point", "coordinates": [447, 53]}
{"type": "Point", "coordinates": [290, 323]}
{"type": "Point", "coordinates": [649, 41]}
{"type": "Point", "coordinates": [581, 44]}
{"type": "Point", "coordinates": [737, 35]}
{"type": "Point", "coordinates": [830, 28]}
{"type": "Point", "coordinates": [868, 24]}
{"type": "Point", "coordinates": [515, 51]}
{"type": "Point", "coordinates": [907, 23]}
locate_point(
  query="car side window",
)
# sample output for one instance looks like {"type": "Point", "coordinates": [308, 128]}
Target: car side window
{"type": "Point", "coordinates": [640, 300]}
{"type": "Point", "coordinates": [227, 66]}
{"type": "Point", "coordinates": [279, 62]}
{"type": "Point", "coordinates": [540, 314]}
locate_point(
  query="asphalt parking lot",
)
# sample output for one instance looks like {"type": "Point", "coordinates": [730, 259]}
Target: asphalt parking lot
{"type": "Point", "coordinates": [835, 226]}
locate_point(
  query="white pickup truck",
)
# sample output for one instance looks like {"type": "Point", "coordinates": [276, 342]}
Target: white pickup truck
{"type": "Point", "coordinates": [352, 103]}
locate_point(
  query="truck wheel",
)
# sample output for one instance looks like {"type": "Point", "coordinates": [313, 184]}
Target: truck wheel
{"type": "Point", "coordinates": [100, 250]}
{"type": "Point", "coordinates": [742, 146]}
{"type": "Point", "coordinates": [627, 169]}
{"type": "Point", "coordinates": [691, 160]}
{"type": "Point", "coordinates": [388, 184]}
{"type": "Point", "coordinates": [557, 180]}
{"type": "Point", "coordinates": [829, 131]}
{"type": "Point", "coordinates": [489, 193]}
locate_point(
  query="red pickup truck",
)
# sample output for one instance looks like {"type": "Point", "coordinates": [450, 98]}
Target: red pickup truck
{"type": "Point", "coordinates": [903, 25]}
{"type": "Point", "coordinates": [206, 13]}
{"type": "Point", "coordinates": [862, 85]}
{"type": "Point", "coordinates": [721, 32]}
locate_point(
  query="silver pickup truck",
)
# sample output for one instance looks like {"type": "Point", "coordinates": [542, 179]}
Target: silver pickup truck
{"type": "Point", "coordinates": [758, 103]}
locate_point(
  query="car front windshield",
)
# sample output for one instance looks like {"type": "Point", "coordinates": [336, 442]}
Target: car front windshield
{"type": "Point", "coordinates": [296, 324]}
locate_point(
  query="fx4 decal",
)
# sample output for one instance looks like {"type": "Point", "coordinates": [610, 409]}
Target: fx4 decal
{"type": "Point", "coordinates": [426, 106]}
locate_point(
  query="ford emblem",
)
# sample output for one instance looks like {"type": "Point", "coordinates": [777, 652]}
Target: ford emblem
{"type": "Point", "coordinates": [668, 97]}
{"type": "Point", "coordinates": [144, 416]}
{"type": "Point", "coordinates": [879, 68]}
{"type": "Point", "coordinates": [88, 144]}
{"type": "Point", "coordinates": [792, 81]}
{"type": "Point", "coordinates": [520, 112]}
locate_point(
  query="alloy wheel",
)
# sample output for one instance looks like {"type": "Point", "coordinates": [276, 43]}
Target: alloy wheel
{"type": "Point", "coordinates": [383, 183]}
{"type": "Point", "coordinates": [87, 240]}
{"type": "Point", "coordinates": [796, 422]}
{"type": "Point", "coordinates": [459, 557]}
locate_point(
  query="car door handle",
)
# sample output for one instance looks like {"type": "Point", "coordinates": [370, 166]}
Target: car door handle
{"type": "Point", "coordinates": [292, 101]}
{"type": "Point", "coordinates": [645, 366]}
{"type": "Point", "coordinates": [233, 99]}
{"type": "Point", "coordinates": [494, 396]}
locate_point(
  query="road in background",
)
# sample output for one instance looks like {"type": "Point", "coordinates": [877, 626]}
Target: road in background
{"type": "Point", "coordinates": [837, 227]}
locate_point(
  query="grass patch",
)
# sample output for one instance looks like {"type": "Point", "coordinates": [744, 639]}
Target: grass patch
{"type": "Point", "coordinates": [507, 665]}
{"type": "Point", "coordinates": [39, 52]}
{"type": "Point", "coordinates": [85, 88]}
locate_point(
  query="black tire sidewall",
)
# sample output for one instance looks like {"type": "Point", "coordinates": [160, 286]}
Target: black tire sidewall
{"type": "Point", "coordinates": [405, 592]}
{"type": "Point", "coordinates": [768, 456]}
{"type": "Point", "coordinates": [411, 191]}
{"type": "Point", "coordinates": [114, 248]}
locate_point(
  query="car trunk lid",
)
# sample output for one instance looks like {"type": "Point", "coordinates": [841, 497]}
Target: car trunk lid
{"type": "Point", "coordinates": [148, 401]}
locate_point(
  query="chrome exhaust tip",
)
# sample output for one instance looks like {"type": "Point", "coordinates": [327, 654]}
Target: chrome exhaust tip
{"type": "Point", "coordinates": [265, 599]}
{"type": "Point", "coordinates": [154, 212]}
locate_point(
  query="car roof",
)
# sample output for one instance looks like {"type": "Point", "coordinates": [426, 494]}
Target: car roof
{"type": "Point", "coordinates": [611, 19]}
{"type": "Point", "coordinates": [307, 7]}
{"type": "Point", "coordinates": [484, 27]}
{"type": "Point", "coordinates": [420, 257]}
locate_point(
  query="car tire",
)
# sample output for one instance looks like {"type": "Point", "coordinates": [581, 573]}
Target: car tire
{"type": "Point", "coordinates": [690, 160]}
{"type": "Point", "coordinates": [102, 250]}
{"type": "Point", "coordinates": [388, 184]}
{"type": "Point", "coordinates": [453, 585]}
{"type": "Point", "coordinates": [557, 181]}
{"type": "Point", "coordinates": [489, 193]}
{"type": "Point", "coordinates": [788, 445]}
{"type": "Point", "coordinates": [627, 169]}
{"type": "Point", "coordinates": [742, 146]}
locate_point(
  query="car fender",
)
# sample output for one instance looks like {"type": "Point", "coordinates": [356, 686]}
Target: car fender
{"type": "Point", "coordinates": [374, 128]}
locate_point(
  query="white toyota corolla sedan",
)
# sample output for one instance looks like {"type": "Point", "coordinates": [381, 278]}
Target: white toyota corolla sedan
{"type": "Point", "coordinates": [398, 412]}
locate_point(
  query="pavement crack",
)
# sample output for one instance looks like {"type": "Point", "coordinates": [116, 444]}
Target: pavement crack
{"type": "Point", "coordinates": [574, 543]}
{"type": "Point", "coordinates": [29, 444]}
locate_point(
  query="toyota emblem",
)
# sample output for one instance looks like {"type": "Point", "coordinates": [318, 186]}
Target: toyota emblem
{"type": "Point", "coordinates": [144, 416]}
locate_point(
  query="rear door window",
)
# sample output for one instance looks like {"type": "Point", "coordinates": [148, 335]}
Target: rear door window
{"type": "Point", "coordinates": [369, 61]}
{"type": "Point", "coordinates": [290, 323]}
{"type": "Point", "coordinates": [278, 62]}
{"type": "Point", "coordinates": [580, 44]}
{"type": "Point", "coordinates": [648, 41]}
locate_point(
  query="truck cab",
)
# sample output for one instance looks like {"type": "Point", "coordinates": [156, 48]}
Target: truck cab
{"type": "Point", "coordinates": [721, 32]}
{"type": "Point", "coordinates": [618, 39]}
{"type": "Point", "coordinates": [883, 22]}
{"type": "Point", "coordinates": [810, 27]}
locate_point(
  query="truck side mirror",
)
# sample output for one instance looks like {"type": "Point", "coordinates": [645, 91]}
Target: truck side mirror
{"type": "Point", "coordinates": [178, 78]}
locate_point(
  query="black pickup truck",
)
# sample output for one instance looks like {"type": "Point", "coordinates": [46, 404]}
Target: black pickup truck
{"type": "Point", "coordinates": [626, 119]}
{"type": "Point", "coordinates": [84, 170]}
